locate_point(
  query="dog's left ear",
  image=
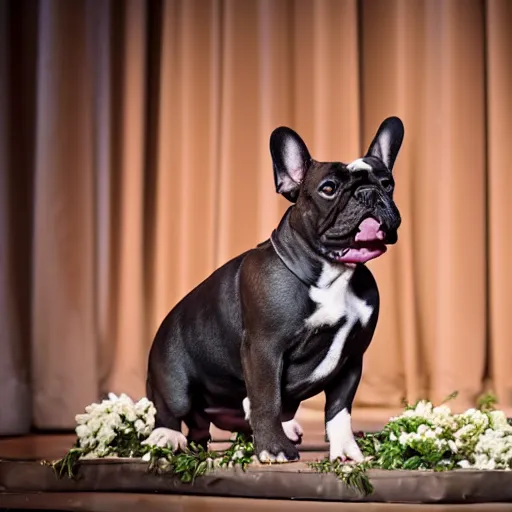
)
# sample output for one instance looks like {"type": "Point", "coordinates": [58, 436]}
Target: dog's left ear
{"type": "Point", "coordinates": [291, 159]}
{"type": "Point", "coordinates": [387, 141]}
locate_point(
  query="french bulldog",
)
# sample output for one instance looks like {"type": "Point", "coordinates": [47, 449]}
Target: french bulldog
{"type": "Point", "coordinates": [288, 319]}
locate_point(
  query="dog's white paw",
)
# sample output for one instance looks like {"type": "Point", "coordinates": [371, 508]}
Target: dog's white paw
{"type": "Point", "coordinates": [348, 450]}
{"type": "Point", "coordinates": [293, 430]}
{"type": "Point", "coordinates": [166, 438]}
{"type": "Point", "coordinates": [341, 439]}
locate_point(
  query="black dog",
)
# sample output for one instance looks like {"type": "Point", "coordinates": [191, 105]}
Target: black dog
{"type": "Point", "coordinates": [288, 319]}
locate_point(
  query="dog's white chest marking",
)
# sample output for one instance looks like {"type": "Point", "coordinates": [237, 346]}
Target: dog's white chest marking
{"type": "Point", "coordinates": [335, 300]}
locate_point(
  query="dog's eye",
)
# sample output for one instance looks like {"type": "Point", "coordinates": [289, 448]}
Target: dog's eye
{"type": "Point", "coordinates": [328, 188]}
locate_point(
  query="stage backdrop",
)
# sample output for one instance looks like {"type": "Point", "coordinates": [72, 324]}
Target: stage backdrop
{"type": "Point", "coordinates": [134, 161]}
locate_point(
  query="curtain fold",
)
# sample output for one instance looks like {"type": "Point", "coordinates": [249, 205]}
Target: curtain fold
{"type": "Point", "coordinates": [433, 284]}
{"type": "Point", "coordinates": [63, 337]}
{"type": "Point", "coordinates": [499, 211]}
{"type": "Point", "coordinates": [14, 231]}
{"type": "Point", "coordinates": [134, 161]}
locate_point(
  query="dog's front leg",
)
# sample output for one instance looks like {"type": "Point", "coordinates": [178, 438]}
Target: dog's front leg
{"type": "Point", "coordinates": [262, 367]}
{"type": "Point", "coordinates": [339, 396]}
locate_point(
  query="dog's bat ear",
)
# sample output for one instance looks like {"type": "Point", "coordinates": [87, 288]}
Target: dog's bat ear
{"type": "Point", "coordinates": [291, 159]}
{"type": "Point", "coordinates": [387, 142]}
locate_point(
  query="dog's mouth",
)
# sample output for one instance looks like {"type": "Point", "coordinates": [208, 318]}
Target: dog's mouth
{"type": "Point", "coordinates": [369, 243]}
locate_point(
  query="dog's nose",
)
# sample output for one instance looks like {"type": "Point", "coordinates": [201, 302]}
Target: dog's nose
{"type": "Point", "coordinates": [367, 196]}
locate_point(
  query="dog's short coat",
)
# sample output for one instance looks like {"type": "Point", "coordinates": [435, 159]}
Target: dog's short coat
{"type": "Point", "coordinates": [288, 319]}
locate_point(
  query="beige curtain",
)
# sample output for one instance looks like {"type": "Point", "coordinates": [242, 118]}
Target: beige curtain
{"type": "Point", "coordinates": [134, 161]}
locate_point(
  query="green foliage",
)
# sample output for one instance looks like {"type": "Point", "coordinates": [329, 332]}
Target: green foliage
{"type": "Point", "coordinates": [187, 465]}
{"type": "Point", "coordinates": [422, 438]}
{"type": "Point", "coordinates": [487, 401]}
{"type": "Point", "coordinates": [451, 396]}
{"type": "Point", "coordinates": [68, 464]}
{"type": "Point", "coordinates": [353, 475]}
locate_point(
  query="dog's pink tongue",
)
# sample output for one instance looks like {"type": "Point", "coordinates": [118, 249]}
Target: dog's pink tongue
{"type": "Point", "coordinates": [369, 230]}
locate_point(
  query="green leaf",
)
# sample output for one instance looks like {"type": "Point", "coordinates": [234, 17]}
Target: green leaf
{"type": "Point", "coordinates": [412, 463]}
{"type": "Point", "coordinates": [487, 401]}
{"type": "Point", "coordinates": [450, 397]}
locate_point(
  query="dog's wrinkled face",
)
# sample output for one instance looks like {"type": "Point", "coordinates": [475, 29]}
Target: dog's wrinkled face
{"type": "Point", "coordinates": [345, 211]}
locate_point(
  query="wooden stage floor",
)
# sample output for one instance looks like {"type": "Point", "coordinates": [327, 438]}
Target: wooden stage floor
{"type": "Point", "coordinates": [50, 446]}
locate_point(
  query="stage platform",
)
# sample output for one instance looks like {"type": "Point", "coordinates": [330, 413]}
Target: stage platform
{"type": "Point", "coordinates": [113, 485]}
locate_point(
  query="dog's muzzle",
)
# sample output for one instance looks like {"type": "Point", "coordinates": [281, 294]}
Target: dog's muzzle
{"type": "Point", "coordinates": [377, 228]}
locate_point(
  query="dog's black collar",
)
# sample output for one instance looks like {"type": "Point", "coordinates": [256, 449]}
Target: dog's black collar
{"type": "Point", "coordinates": [297, 270]}
{"type": "Point", "coordinates": [295, 252]}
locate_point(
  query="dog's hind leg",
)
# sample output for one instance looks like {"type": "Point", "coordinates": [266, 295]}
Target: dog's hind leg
{"type": "Point", "coordinates": [167, 432]}
{"type": "Point", "coordinates": [198, 425]}
{"type": "Point", "coordinates": [291, 426]}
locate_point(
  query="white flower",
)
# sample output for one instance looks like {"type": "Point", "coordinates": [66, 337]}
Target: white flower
{"type": "Point", "coordinates": [143, 406]}
{"type": "Point", "coordinates": [82, 418]}
{"type": "Point", "coordinates": [465, 431]}
{"type": "Point", "coordinates": [477, 418]}
{"type": "Point", "coordinates": [140, 426]}
{"type": "Point", "coordinates": [452, 446]}
{"type": "Point", "coordinates": [88, 442]}
{"type": "Point", "coordinates": [106, 435]}
{"type": "Point", "coordinates": [126, 410]}
{"type": "Point", "coordinates": [392, 437]}
{"type": "Point", "coordinates": [464, 464]}
{"type": "Point", "coordinates": [146, 457]}
{"type": "Point", "coordinates": [112, 420]}
{"type": "Point", "coordinates": [424, 409]}
{"type": "Point", "coordinates": [238, 454]}
{"type": "Point", "coordinates": [91, 408]}
{"type": "Point", "coordinates": [125, 399]}
{"type": "Point", "coordinates": [442, 410]}
{"type": "Point", "coordinates": [404, 438]}
{"type": "Point", "coordinates": [491, 464]}
{"type": "Point", "coordinates": [422, 429]}
{"type": "Point", "coordinates": [499, 421]}
{"type": "Point", "coordinates": [94, 425]}
{"type": "Point", "coordinates": [82, 431]}
{"type": "Point", "coordinates": [440, 443]}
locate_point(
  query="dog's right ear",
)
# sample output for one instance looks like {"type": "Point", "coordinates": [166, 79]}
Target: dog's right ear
{"type": "Point", "coordinates": [291, 159]}
{"type": "Point", "coordinates": [387, 141]}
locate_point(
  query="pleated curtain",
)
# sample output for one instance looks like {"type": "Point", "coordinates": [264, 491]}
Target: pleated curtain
{"type": "Point", "coordinates": [134, 161]}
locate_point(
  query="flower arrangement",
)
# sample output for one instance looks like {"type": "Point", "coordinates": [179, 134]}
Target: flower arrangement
{"type": "Point", "coordinates": [424, 437]}
{"type": "Point", "coordinates": [119, 427]}
{"type": "Point", "coordinates": [114, 427]}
